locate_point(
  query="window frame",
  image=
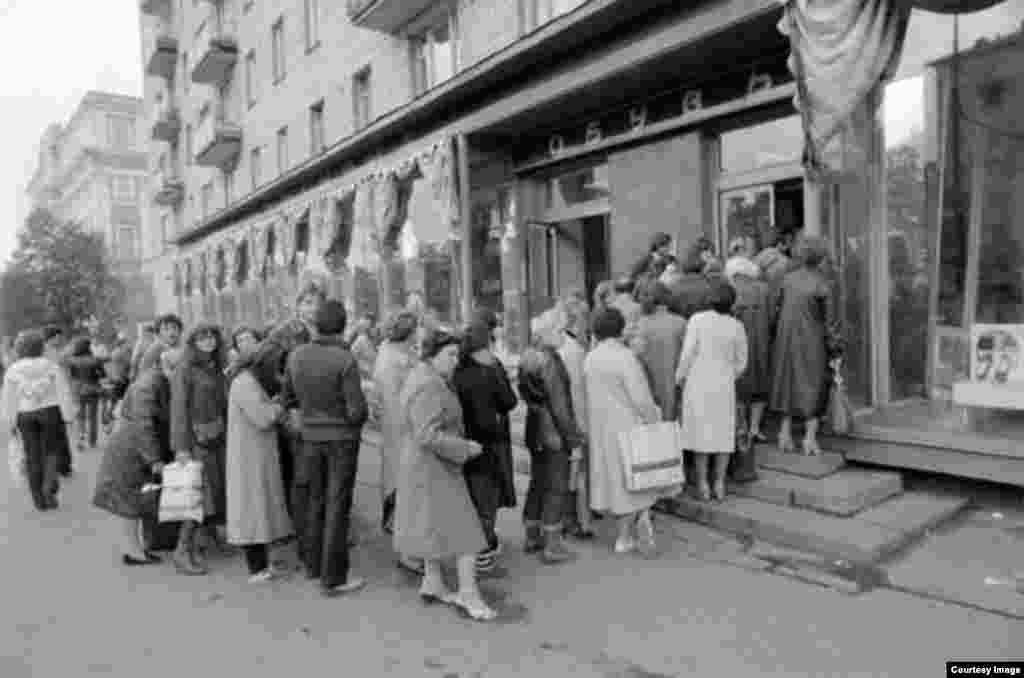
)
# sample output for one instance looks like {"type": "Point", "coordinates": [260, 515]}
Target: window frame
{"type": "Point", "coordinates": [113, 120]}
{"type": "Point", "coordinates": [423, 48]}
{"type": "Point", "coordinates": [362, 91]}
{"type": "Point", "coordinates": [189, 155]}
{"type": "Point", "coordinates": [317, 135]}
{"type": "Point", "coordinates": [251, 79]}
{"type": "Point", "coordinates": [281, 137]}
{"type": "Point", "coordinates": [311, 24]}
{"type": "Point", "coordinates": [256, 166]}
{"type": "Point", "coordinates": [120, 229]}
{"type": "Point", "coordinates": [277, 48]}
{"type": "Point", "coordinates": [205, 199]}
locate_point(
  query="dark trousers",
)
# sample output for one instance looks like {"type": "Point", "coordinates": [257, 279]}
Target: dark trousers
{"type": "Point", "coordinates": [64, 451]}
{"type": "Point", "coordinates": [40, 432]}
{"type": "Point", "coordinates": [743, 462]}
{"type": "Point", "coordinates": [257, 557]}
{"type": "Point", "coordinates": [549, 485]}
{"type": "Point", "coordinates": [324, 484]}
{"type": "Point", "coordinates": [88, 413]}
{"type": "Point", "coordinates": [483, 490]}
{"type": "Point", "coordinates": [289, 447]}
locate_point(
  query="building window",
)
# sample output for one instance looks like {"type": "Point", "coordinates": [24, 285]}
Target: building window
{"type": "Point", "coordinates": [206, 199]}
{"type": "Point", "coordinates": [188, 144]}
{"type": "Point", "coordinates": [316, 128]}
{"type": "Point", "coordinates": [434, 57]}
{"type": "Point", "coordinates": [229, 187]}
{"type": "Point", "coordinates": [539, 12]}
{"type": "Point", "coordinates": [126, 243]}
{"type": "Point", "coordinates": [312, 20]}
{"type": "Point", "coordinates": [185, 75]}
{"type": "Point", "coordinates": [122, 131]}
{"type": "Point", "coordinates": [250, 78]}
{"type": "Point", "coordinates": [255, 169]}
{"type": "Point", "coordinates": [124, 189]}
{"type": "Point", "coordinates": [164, 231]}
{"type": "Point", "coordinates": [361, 101]}
{"type": "Point", "coordinates": [277, 45]}
{"type": "Point", "coordinates": [282, 150]}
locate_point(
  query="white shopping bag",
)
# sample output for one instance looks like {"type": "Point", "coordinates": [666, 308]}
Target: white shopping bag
{"type": "Point", "coordinates": [16, 460]}
{"type": "Point", "coordinates": [181, 494]}
{"type": "Point", "coordinates": [652, 456]}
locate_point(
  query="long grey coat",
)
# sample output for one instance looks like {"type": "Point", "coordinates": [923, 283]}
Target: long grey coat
{"type": "Point", "coordinates": [256, 508]}
{"type": "Point", "coordinates": [434, 515]}
{"type": "Point", "coordinates": [660, 342]}
{"type": "Point", "coordinates": [389, 375]}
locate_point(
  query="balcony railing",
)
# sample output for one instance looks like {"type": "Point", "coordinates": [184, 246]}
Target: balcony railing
{"type": "Point", "coordinates": [164, 57]}
{"type": "Point", "coordinates": [214, 54]}
{"type": "Point", "coordinates": [218, 143]}
{"type": "Point", "coordinates": [170, 189]}
{"type": "Point", "coordinates": [166, 123]}
{"type": "Point", "coordinates": [387, 16]}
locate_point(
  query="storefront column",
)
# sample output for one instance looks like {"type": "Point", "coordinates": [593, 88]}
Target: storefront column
{"type": "Point", "coordinates": [513, 272]}
{"type": "Point", "coordinates": [465, 229]}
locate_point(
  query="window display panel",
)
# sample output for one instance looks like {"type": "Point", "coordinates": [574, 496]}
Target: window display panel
{"type": "Point", "coordinates": [490, 214]}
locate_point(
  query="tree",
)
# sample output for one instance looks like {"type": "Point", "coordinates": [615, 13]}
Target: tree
{"type": "Point", "coordinates": [59, 274]}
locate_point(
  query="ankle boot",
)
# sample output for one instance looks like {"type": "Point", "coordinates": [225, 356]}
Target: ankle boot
{"type": "Point", "coordinates": [534, 538]}
{"type": "Point", "coordinates": [555, 551]}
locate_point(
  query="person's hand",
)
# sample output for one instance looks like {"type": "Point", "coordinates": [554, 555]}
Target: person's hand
{"type": "Point", "coordinates": [577, 454]}
{"type": "Point", "coordinates": [475, 449]}
{"type": "Point", "coordinates": [182, 457]}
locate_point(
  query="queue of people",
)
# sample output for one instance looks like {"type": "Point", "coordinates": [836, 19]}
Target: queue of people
{"type": "Point", "coordinates": [275, 418]}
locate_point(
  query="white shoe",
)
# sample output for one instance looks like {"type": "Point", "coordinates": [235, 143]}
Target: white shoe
{"type": "Point", "coordinates": [625, 546]}
{"type": "Point", "coordinates": [262, 577]}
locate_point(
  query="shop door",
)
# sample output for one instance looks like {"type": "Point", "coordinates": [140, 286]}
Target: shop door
{"type": "Point", "coordinates": [760, 210]}
{"type": "Point", "coordinates": [564, 256]}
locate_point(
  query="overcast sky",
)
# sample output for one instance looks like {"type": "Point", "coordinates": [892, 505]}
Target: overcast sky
{"type": "Point", "coordinates": [53, 53]}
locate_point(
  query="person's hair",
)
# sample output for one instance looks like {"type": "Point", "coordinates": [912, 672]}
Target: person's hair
{"type": "Point", "coordinates": [29, 344]}
{"type": "Point", "coordinates": [811, 251]}
{"type": "Point", "coordinates": [485, 316]}
{"type": "Point", "coordinates": [741, 267]}
{"type": "Point", "coordinates": [694, 260]}
{"type": "Point", "coordinates": [193, 355]}
{"type": "Point", "coordinates": [713, 267]}
{"type": "Point", "coordinates": [575, 294]}
{"type": "Point", "coordinates": [435, 342]}
{"type": "Point", "coordinates": [722, 297]}
{"type": "Point", "coordinates": [244, 329]}
{"type": "Point", "coordinates": [603, 293]}
{"type": "Point", "coordinates": [624, 286]}
{"type": "Point", "coordinates": [50, 332]}
{"type": "Point", "coordinates": [331, 318]}
{"type": "Point", "coordinates": [310, 289]}
{"type": "Point", "coordinates": [81, 346]}
{"type": "Point", "coordinates": [149, 328]}
{"type": "Point", "coordinates": [169, 319]}
{"type": "Point", "coordinates": [659, 240]}
{"type": "Point", "coordinates": [738, 245]}
{"type": "Point", "coordinates": [403, 326]}
{"type": "Point", "coordinates": [576, 313]}
{"type": "Point", "coordinates": [476, 338]}
{"type": "Point", "coordinates": [608, 323]}
{"type": "Point", "coordinates": [652, 295]}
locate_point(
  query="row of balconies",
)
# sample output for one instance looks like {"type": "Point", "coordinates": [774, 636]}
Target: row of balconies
{"type": "Point", "coordinates": [213, 56]}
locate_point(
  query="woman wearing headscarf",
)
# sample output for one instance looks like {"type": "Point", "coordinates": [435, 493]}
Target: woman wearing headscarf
{"type": "Point", "coordinates": [806, 340]}
{"type": "Point", "coordinates": [137, 450]}
{"type": "Point", "coordinates": [396, 359]}
{"type": "Point", "coordinates": [755, 308]}
{"type": "Point", "coordinates": [198, 431]}
{"type": "Point", "coordinates": [435, 518]}
{"type": "Point", "coordinates": [486, 397]}
{"type": "Point", "coordinates": [255, 498]}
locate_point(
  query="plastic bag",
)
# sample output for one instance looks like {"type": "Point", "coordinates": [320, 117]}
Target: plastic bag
{"type": "Point", "coordinates": [181, 493]}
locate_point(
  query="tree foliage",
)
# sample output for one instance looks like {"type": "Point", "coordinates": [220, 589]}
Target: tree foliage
{"type": "Point", "coordinates": [59, 274]}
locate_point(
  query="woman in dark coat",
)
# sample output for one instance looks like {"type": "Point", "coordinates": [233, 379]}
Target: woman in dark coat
{"type": "Point", "coordinates": [487, 398]}
{"type": "Point", "coordinates": [198, 431]}
{"type": "Point", "coordinates": [691, 291]}
{"type": "Point", "coordinates": [806, 340]}
{"type": "Point", "coordinates": [552, 436]}
{"type": "Point", "coordinates": [86, 372]}
{"type": "Point", "coordinates": [755, 308]}
{"type": "Point", "coordinates": [137, 451]}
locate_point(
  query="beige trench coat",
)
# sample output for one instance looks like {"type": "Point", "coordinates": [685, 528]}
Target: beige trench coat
{"type": "Point", "coordinates": [389, 375]}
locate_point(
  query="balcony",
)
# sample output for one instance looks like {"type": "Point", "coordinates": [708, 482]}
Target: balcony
{"type": "Point", "coordinates": [218, 143]}
{"type": "Point", "coordinates": [163, 58]}
{"type": "Point", "coordinates": [154, 7]}
{"type": "Point", "coordinates": [170, 190]}
{"type": "Point", "coordinates": [214, 54]}
{"type": "Point", "coordinates": [167, 125]}
{"type": "Point", "coordinates": [386, 16]}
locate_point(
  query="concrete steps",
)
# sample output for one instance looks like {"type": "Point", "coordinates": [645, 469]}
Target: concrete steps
{"type": "Point", "coordinates": [844, 493]}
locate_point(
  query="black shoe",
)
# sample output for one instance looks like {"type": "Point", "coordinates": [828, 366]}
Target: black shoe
{"type": "Point", "coordinates": [133, 561]}
{"type": "Point", "coordinates": [153, 558]}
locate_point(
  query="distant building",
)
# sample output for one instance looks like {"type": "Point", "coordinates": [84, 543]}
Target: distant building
{"type": "Point", "coordinates": [92, 170]}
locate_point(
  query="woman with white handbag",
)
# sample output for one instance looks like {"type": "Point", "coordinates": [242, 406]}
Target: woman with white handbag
{"type": "Point", "coordinates": [714, 356]}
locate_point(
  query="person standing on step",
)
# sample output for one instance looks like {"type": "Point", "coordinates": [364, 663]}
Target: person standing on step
{"type": "Point", "coordinates": [323, 378]}
{"type": "Point", "coordinates": [487, 398]}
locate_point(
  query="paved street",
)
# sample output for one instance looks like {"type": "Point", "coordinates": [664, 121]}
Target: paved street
{"type": "Point", "coordinates": [70, 610]}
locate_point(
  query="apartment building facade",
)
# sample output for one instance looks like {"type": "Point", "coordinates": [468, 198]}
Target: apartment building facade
{"type": "Point", "coordinates": [462, 153]}
{"type": "Point", "coordinates": [92, 170]}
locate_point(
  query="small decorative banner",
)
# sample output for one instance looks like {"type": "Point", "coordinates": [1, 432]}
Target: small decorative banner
{"type": "Point", "coordinates": [637, 118]}
{"type": "Point", "coordinates": [556, 145]}
{"type": "Point", "coordinates": [759, 83]}
{"type": "Point", "coordinates": [593, 134]}
{"type": "Point", "coordinates": [692, 101]}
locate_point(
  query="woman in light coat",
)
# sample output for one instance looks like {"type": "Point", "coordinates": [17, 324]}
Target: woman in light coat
{"type": "Point", "coordinates": [714, 356]}
{"type": "Point", "coordinates": [394, 362]}
{"type": "Point", "coordinates": [256, 512]}
{"type": "Point", "coordinates": [434, 515]}
{"type": "Point", "coordinates": [618, 399]}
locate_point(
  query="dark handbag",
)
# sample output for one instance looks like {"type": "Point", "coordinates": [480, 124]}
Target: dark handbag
{"type": "Point", "coordinates": [209, 432]}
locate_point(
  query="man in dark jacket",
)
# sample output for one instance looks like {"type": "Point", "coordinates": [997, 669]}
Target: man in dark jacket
{"type": "Point", "coordinates": [322, 379]}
